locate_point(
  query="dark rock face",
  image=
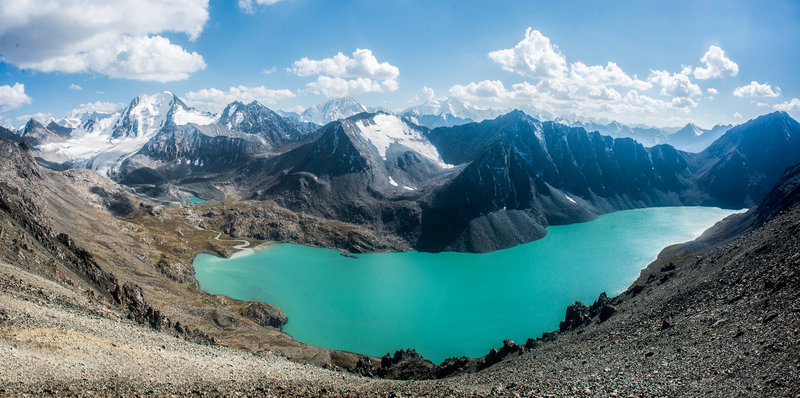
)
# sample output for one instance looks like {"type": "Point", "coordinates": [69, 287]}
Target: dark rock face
{"type": "Point", "coordinates": [406, 365]}
{"type": "Point", "coordinates": [451, 366]}
{"type": "Point", "coordinates": [264, 314]}
{"type": "Point", "coordinates": [747, 161]}
{"type": "Point", "coordinates": [494, 356]}
{"type": "Point", "coordinates": [364, 367]}
{"type": "Point", "coordinates": [118, 203]}
{"type": "Point", "coordinates": [579, 315]}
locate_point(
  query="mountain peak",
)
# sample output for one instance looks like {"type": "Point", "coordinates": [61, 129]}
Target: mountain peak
{"type": "Point", "coordinates": [333, 109]}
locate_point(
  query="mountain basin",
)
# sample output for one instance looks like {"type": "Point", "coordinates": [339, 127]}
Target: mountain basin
{"type": "Point", "coordinates": [451, 304]}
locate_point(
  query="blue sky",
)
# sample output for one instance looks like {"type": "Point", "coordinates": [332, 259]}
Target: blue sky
{"type": "Point", "coordinates": [633, 61]}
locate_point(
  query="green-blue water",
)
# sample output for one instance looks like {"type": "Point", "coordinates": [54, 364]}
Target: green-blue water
{"type": "Point", "coordinates": [451, 304]}
{"type": "Point", "coordinates": [195, 199]}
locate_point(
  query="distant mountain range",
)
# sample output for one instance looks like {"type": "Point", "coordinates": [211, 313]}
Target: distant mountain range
{"type": "Point", "coordinates": [471, 187]}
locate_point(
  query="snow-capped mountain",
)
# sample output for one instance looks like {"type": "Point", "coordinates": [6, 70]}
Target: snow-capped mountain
{"type": "Point", "coordinates": [384, 130]}
{"type": "Point", "coordinates": [692, 138]}
{"type": "Point", "coordinates": [455, 107]}
{"type": "Point", "coordinates": [102, 143]}
{"type": "Point", "coordinates": [447, 112]}
{"type": "Point", "coordinates": [335, 109]}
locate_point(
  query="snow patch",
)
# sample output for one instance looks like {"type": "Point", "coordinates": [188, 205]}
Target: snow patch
{"type": "Point", "coordinates": [570, 199]}
{"type": "Point", "coordinates": [392, 182]}
{"type": "Point", "coordinates": [386, 130]}
{"type": "Point", "coordinates": [182, 116]}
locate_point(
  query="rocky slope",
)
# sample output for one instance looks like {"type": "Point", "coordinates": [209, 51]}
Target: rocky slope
{"type": "Point", "coordinates": [721, 322]}
{"type": "Point", "coordinates": [132, 257]}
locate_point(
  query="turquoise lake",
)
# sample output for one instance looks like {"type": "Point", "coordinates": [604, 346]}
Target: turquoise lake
{"type": "Point", "coordinates": [451, 304]}
{"type": "Point", "coordinates": [195, 199]}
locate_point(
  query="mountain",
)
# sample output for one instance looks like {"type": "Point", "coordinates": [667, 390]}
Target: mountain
{"type": "Point", "coordinates": [434, 121]}
{"type": "Point", "coordinates": [335, 109]}
{"type": "Point", "coordinates": [692, 138]}
{"type": "Point", "coordinates": [352, 171]}
{"type": "Point", "coordinates": [255, 118]}
{"type": "Point", "coordinates": [739, 168]}
{"type": "Point", "coordinates": [104, 143]}
{"type": "Point", "coordinates": [35, 133]}
{"type": "Point", "coordinates": [528, 174]}
{"type": "Point", "coordinates": [648, 136]}
{"type": "Point", "coordinates": [472, 187]}
{"type": "Point", "coordinates": [447, 112]}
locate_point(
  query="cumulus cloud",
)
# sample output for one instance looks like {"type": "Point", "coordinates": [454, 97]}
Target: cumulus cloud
{"type": "Point", "coordinates": [717, 65]}
{"type": "Point", "coordinates": [737, 115]}
{"type": "Point", "coordinates": [212, 99]}
{"type": "Point", "coordinates": [13, 97]}
{"type": "Point", "coordinates": [534, 56]}
{"type": "Point", "coordinates": [426, 95]}
{"type": "Point", "coordinates": [119, 39]}
{"type": "Point", "coordinates": [789, 106]}
{"type": "Point", "coordinates": [74, 86]}
{"type": "Point", "coordinates": [346, 75]}
{"type": "Point", "coordinates": [609, 75]}
{"type": "Point", "coordinates": [579, 90]}
{"type": "Point", "coordinates": [756, 89]}
{"type": "Point", "coordinates": [97, 106]}
{"type": "Point", "coordinates": [139, 58]}
{"type": "Point", "coordinates": [249, 6]}
{"type": "Point", "coordinates": [712, 91]}
{"type": "Point", "coordinates": [674, 84]}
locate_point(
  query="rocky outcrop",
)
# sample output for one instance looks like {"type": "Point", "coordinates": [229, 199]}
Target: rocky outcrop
{"type": "Point", "coordinates": [264, 314]}
{"type": "Point", "coordinates": [406, 365]}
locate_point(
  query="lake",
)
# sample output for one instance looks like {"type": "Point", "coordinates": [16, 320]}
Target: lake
{"type": "Point", "coordinates": [451, 304]}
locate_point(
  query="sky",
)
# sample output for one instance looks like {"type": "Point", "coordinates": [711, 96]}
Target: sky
{"type": "Point", "coordinates": [655, 63]}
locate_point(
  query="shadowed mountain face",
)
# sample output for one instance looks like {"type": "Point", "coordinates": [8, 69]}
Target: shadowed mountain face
{"type": "Point", "coordinates": [474, 187]}
{"type": "Point", "coordinates": [740, 168]}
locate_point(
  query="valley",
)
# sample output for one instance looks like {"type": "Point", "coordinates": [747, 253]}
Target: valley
{"type": "Point", "coordinates": [109, 239]}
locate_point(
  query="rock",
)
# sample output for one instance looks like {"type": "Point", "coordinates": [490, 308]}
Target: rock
{"type": "Point", "coordinates": [364, 367]}
{"type": "Point", "coordinates": [406, 365]}
{"type": "Point", "coordinates": [494, 356]}
{"type": "Point", "coordinates": [175, 269]}
{"type": "Point", "coordinates": [452, 366]}
{"type": "Point", "coordinates": [264, 314]}
{"type": "Point", "coordinates": [606, 312]}
{"type": "Point", "coordinates": [223, 320]}
{"type": "Point", "coordinates": [577, 316]}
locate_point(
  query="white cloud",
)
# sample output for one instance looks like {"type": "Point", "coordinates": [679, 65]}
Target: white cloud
{"type": "Point", "coordinates": [609, 75]}
{"type": "Point", "coordinates": [212, 99]}
{"type": "Point", "coordinates": [97, 106]}
{"type": "Point", "coordinates": [248, 6]}
{"type": "Point", "coordinates": [712, 91]}
{"type": "Point", "coordinates": [756, 89]}
{"type": "Point", "coordinates": [338, 87]}
{"type": "Point", "coordinates": [426, 95]}
{"type": "Point", "coordinates": [362, 64]}
{"type": "Point", "coordinates": [344, 75]}
{"type": "Point", "coordinates": [140, 58]}
{"type": "Point", "coordinates": [674, 84]}
{"type": "Point", "coordinates": [534, 56]}
{"type": "Point", "coordinates": [269, 71]}
{"type": "Point", "coordinates": [717, 65]}
{"type": "Point", "coordinates": [74, 86]}
{"type": "Point", "coordinates": [789, 106]}
{"type": "Point", "coordinates": [13, 97]}
{"type": "Point", "coordinates": [737, 115]}
{"type": "Point", "coordinates": [119, 38]}
{"type": "Point", "coordinates": [40, 117]}
{"type": "Point", "coordinates": [488, 90]}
